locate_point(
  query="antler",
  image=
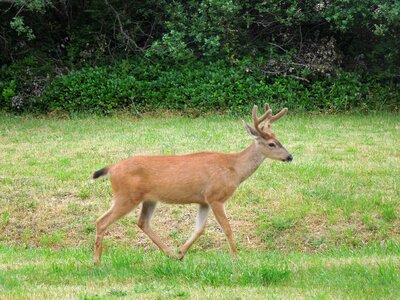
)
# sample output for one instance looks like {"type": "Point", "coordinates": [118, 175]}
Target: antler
{"type": "Point", "coordinates": [257, 120]}
{"type": "Point", "coordinates": [279, 115]}
{"type": "Point", "coordinates": [266, 116]}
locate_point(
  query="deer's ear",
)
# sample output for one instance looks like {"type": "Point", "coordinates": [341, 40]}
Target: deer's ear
{"type": "Point", "coordinates": [254, 133]}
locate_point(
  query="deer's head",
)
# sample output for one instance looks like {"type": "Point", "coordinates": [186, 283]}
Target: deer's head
{"type": "Point", "coordinates": [265, 137]}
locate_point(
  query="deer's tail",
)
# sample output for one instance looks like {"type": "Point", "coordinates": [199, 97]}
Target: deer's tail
{"type": "Point", "coordinates": [101, 172]}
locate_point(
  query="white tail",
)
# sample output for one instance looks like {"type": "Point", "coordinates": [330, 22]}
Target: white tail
{"type": "Point", "coordinates": [207, 178]}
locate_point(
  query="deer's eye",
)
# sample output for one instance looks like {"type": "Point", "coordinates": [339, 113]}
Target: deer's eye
{"type": "Point", "coordinates": [272, 145]}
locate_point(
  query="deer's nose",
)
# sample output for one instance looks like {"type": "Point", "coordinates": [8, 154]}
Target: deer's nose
{"type": "Point", "coordinates": [289, 158]}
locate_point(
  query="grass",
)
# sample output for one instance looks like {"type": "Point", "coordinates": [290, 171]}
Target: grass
{"type": "Point", "coordinates": [340, 192]}
{"type": "Point", "coordinates": [372, 272]}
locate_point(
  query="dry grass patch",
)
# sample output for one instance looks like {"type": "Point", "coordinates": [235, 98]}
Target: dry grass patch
{"type": "Point", "coordinates": [340, 189]}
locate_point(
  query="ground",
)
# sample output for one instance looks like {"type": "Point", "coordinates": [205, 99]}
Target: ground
{"type": "Point", "coordinates": [370, 273]}
{"type": "Point", "coordinates": [340, 192]}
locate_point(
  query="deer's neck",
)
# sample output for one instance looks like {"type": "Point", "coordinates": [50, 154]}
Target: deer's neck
{"type": "Point", "coordinates": [248, 161]}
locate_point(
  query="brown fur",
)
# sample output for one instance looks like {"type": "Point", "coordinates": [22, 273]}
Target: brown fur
{"type": "Point", "coordinates": [206, 178]}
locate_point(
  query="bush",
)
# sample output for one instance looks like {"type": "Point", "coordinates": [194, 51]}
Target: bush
{"type": "Point", "coordinates": [207, 86]}
{"type": "Point", "coordinates": [199, 86]}
{"type": "Point", "coordinates": [22, 82]}
{"type": "Point", "coordinates": [203, 86]}
{"type": "Point", "coordinates": [91, 90]}
{"type": "Point", "coordinates": [8, 92]}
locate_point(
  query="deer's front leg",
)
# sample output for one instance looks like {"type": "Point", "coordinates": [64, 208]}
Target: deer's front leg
{"type": "Point", "coordinates": [219, 212]}
{"type": "Point", "coordinates": [202, 214]}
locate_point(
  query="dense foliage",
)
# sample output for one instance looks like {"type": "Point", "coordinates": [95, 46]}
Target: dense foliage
{"type": "Point", "coordinates": [203, 87]}
{"type": "Point", "coordinates": [96, 56]}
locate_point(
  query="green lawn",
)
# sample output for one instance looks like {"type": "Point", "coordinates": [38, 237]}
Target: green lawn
{"type": "Point", "coordinates": [341, 192]}
{"type": "Point", "coordinates": [44, 273]}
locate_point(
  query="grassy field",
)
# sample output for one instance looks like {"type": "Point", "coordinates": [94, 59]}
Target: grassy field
{"type": "Point", "coordinates": [371, 273]}
{"type": "Point", "coordinates": [341, 192]}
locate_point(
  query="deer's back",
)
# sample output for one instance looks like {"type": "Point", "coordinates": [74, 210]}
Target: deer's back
{"type": "Point", "coordinates": [174, 178]}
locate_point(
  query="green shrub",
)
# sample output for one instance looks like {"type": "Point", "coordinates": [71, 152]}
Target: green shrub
{"type": "Point", "coordinates": [201, 86]}
{"type": "Point", "coordinates": [91, 90]}
{"type": "Point", "coordinates": [204, 86]}
{"type": "Point", "coordinates": [339, 93]}
{"type": "Point", "coordinates": [8, 92]}
{"type": "Point", "coordinates": [208, 86]}
{"type": "Point", "coordinates": [22, 82]}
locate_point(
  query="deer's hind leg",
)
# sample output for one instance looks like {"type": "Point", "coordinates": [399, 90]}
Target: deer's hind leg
{"type": "Point", "coordinates": [119, 208]}
{"type": "Point", "coordinates": [146, 214]}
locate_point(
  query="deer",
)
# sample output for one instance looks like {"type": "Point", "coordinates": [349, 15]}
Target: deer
{"type": "Point", "coordinates": [207, 179]}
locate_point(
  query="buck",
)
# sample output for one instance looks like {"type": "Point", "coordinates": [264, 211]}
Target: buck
{"type": "Point", "coordinates": [207, 178]}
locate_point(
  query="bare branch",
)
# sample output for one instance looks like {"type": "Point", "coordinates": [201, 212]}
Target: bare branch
{"type": "Point", "coordinates": [20, 9]}
{"type": "Point", "coordinates": [280, 47]}
{"type": "Point", "coordinates": [129, 40]}
{"type": "Point", "coordinates": [287, 75]}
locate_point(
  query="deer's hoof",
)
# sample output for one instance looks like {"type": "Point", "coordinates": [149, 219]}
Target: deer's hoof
{"type": "Point", "coordinates": [170, 254]}
{"type": "Point", "coordinates": [181, 255]}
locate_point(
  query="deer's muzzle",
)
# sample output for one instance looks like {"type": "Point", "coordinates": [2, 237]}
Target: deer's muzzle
{"type": "Point", "coordinates": [288, 159]}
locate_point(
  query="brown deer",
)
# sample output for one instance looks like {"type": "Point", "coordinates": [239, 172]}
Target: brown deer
{"type": "Point", "coordinates": [206, 178]}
